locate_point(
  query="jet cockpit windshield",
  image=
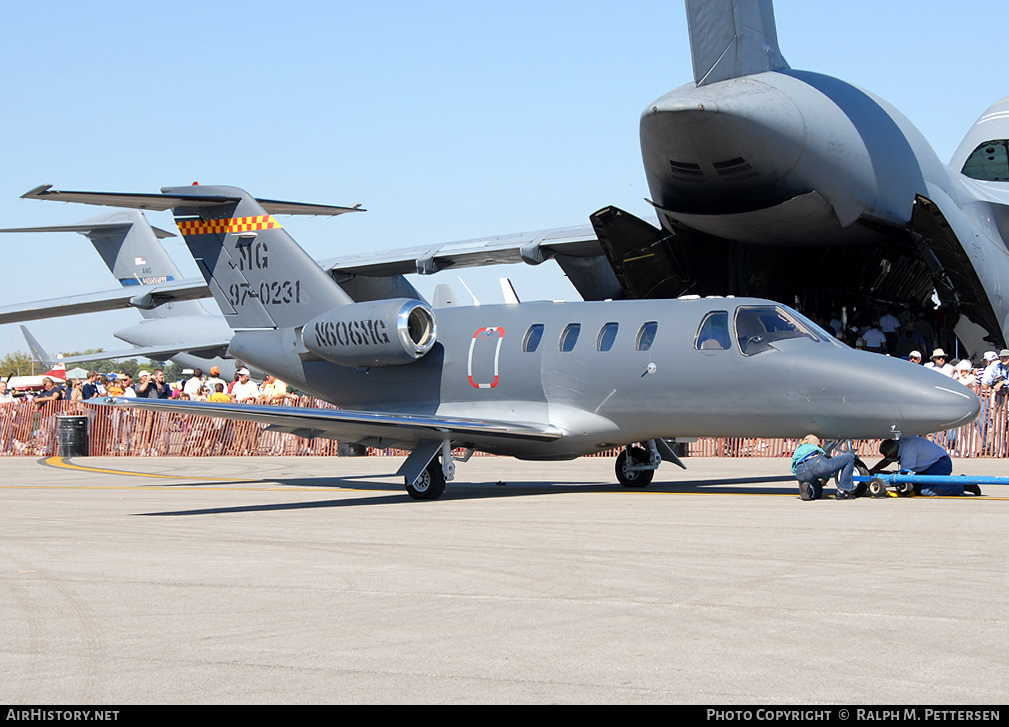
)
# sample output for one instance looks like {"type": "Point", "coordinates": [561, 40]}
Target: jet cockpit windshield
{"type": "Point", "coordinates": [758, 326]}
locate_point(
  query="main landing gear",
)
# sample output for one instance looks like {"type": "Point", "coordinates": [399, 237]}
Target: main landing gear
{"type": "Point", "coordinates": [431, 483]}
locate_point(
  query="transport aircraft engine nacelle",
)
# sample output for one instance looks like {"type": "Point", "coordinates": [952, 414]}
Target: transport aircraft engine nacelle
{"type": "Point", "coordinates": [379, 333]}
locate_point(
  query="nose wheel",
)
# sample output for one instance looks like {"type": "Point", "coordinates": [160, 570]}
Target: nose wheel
{"type": "Point", "coordinates": [634, 467]}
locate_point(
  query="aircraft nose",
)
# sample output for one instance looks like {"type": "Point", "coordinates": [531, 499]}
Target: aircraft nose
{"type": "Point", "coordinates": [897, 396]}
{"type": "Point", "coordinates": [738, 136]}
{"type": "Point", "coordinates": [930, 402]}
{"type": "Point", "coordinates": [860, 395]}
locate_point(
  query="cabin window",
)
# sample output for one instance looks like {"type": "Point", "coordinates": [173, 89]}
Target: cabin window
{"type": "Point", "coordinates": [532, 338]}
{"type": "Point", "coordinates": [607, 335]}
{"type": "Point", "coordinates": [713, 335]}
{"type": "Point", "coordinates": [646, 335]}
{"type": "Point", "coordinates": [989, 162]}
{"type": "Point", "coordinates": [569, 336]}
{"type": "Point", "coordinates": [757, 327]}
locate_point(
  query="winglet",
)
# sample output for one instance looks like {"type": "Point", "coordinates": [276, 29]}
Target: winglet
{"type": "Point", "coordinates": [36, 349]}
{"type": "Point", "coordinates": [732, 38]}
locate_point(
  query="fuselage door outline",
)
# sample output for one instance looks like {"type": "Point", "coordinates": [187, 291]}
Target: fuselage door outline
{"type": "Point", "coordinates": [485, 334]}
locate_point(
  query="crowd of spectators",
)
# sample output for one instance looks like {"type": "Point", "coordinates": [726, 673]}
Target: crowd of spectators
{"type": "Point", "coordinates": [152, 385]}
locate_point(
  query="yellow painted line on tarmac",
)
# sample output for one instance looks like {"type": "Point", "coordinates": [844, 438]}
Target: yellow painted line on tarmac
{"type": "Point", "coordinates": [62, 463]}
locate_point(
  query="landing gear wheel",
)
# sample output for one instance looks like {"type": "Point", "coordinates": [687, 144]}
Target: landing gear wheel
{"type": "Point", "coordinates": [862, 471]}
{"type": "Point", "coordinates": [431, 483]}
{"type": "Point", "coordinates": [877, 487]}
{"type": "Point", "coordinates": [633, 478]}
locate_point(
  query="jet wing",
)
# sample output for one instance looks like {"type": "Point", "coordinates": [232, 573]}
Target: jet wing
{"type": "Point", "coordinates": [348, 425]}
{"type": "Point", "coordinates": [139, 296]}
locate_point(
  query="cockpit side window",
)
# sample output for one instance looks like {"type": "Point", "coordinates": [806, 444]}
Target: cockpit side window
{"type": "Point", "coordinates": [646, 335]}
{"type": "Point", "coordinates": [989, 162]}
{"type": "Point", "coordinates": [713, 335]}
{"type": "Point", "coordinates": [757, 327]}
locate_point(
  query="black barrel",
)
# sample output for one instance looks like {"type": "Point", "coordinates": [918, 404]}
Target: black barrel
{"type": "Point", "coordinates": [72, 435]}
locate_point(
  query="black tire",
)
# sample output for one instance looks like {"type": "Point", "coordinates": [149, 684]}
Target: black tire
{"type": "Point", "coordinates": [877, 487]}
{"type": "Point", "coordinates": [629, 478]}
{"type": "Point", "coordinates": [862, 471]}
{"type": "Point", "coordinates": [904, 489]}
{"type": "Point", "coordinates": [431, 483]}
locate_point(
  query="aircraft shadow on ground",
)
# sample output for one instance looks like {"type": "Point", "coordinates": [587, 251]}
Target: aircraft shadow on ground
{"type": "Point", "coordinates": [393, 493]}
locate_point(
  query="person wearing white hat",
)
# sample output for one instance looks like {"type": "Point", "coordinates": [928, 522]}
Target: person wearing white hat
{"type": "Point", "coordinates": [938, 363]}
{"type": "Point", "coordinates": [914, 357]}
{"type": "Point", "coordinates": [245, 391]}
{"type": "Point", "coordinates": [964, 373]}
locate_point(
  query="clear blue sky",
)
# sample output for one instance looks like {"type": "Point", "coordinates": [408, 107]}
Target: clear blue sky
{"type": "Point", "coordinates": [447, 120]}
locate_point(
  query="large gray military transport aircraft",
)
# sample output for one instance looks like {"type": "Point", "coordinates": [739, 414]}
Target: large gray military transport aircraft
{"type": "Point", "coordinates": [796, 186]}
{"type": "Point", "coordinates": [530, 380]}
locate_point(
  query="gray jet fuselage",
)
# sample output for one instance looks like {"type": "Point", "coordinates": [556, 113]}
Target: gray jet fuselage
{"type": "Point", "coordinates": [599, 399]}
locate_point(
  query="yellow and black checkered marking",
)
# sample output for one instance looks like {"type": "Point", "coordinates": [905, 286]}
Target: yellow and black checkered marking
{"type": "Point", "coordinates": [233, 224]}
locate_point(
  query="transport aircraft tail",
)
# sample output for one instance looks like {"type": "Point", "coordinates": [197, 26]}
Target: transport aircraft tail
{"type": "Point", "coordinates": [732, 38]}
{"type": "Point", "coordinates": [131, 248]}
{"type": "Point", "coordinates": [40, 354]}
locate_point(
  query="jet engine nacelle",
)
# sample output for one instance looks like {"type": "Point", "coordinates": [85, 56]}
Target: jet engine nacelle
{"type": "Point", "coordinates": [376, 333]}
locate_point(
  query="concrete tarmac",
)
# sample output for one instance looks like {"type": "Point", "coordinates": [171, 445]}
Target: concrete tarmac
{"type": "Point", "coordinates": [317, 580]}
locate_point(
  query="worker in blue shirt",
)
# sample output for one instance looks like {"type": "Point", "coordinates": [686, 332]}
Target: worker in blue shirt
{"type": "Point", "coordinates": [811, 465]}
{"type": "Point", "coordinates": [922, 457]}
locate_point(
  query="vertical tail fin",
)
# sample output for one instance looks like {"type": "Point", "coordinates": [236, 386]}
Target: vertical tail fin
{"type": "Point", "coordinates": [132, 250]}
{"type": "Point", "coordinates": [36, 349]}
{"type": "Point", "coordinates": [259, 276]}
{"type": "Point", "coordinates": [732, 38]}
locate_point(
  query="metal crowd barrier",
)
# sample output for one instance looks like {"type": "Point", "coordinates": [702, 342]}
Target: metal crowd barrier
{"type": "Point", "coordinates": [30, 431]}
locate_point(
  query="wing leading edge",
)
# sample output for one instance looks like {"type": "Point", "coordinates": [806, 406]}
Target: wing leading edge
{"type": "Point", "coordinates": [392, 429]}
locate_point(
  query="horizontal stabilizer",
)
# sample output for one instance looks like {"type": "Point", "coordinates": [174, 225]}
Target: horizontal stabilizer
{"type": "Point", "coordinates": [161, 202]}
{"type": "Point", "coordinates": [347, 425]}
{"type": "Point", "coordinates": [732, 38]}
{"type": "Point", "coordinates": [127, 297]}
{"type": "Point", "coordinates": [86, 229]}
{"type": "Point", "coordinates": [200, 349]}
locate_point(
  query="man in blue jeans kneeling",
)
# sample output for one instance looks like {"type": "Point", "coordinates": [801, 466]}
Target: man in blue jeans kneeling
{"type": "Point", "coordinates": [811, 465]}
